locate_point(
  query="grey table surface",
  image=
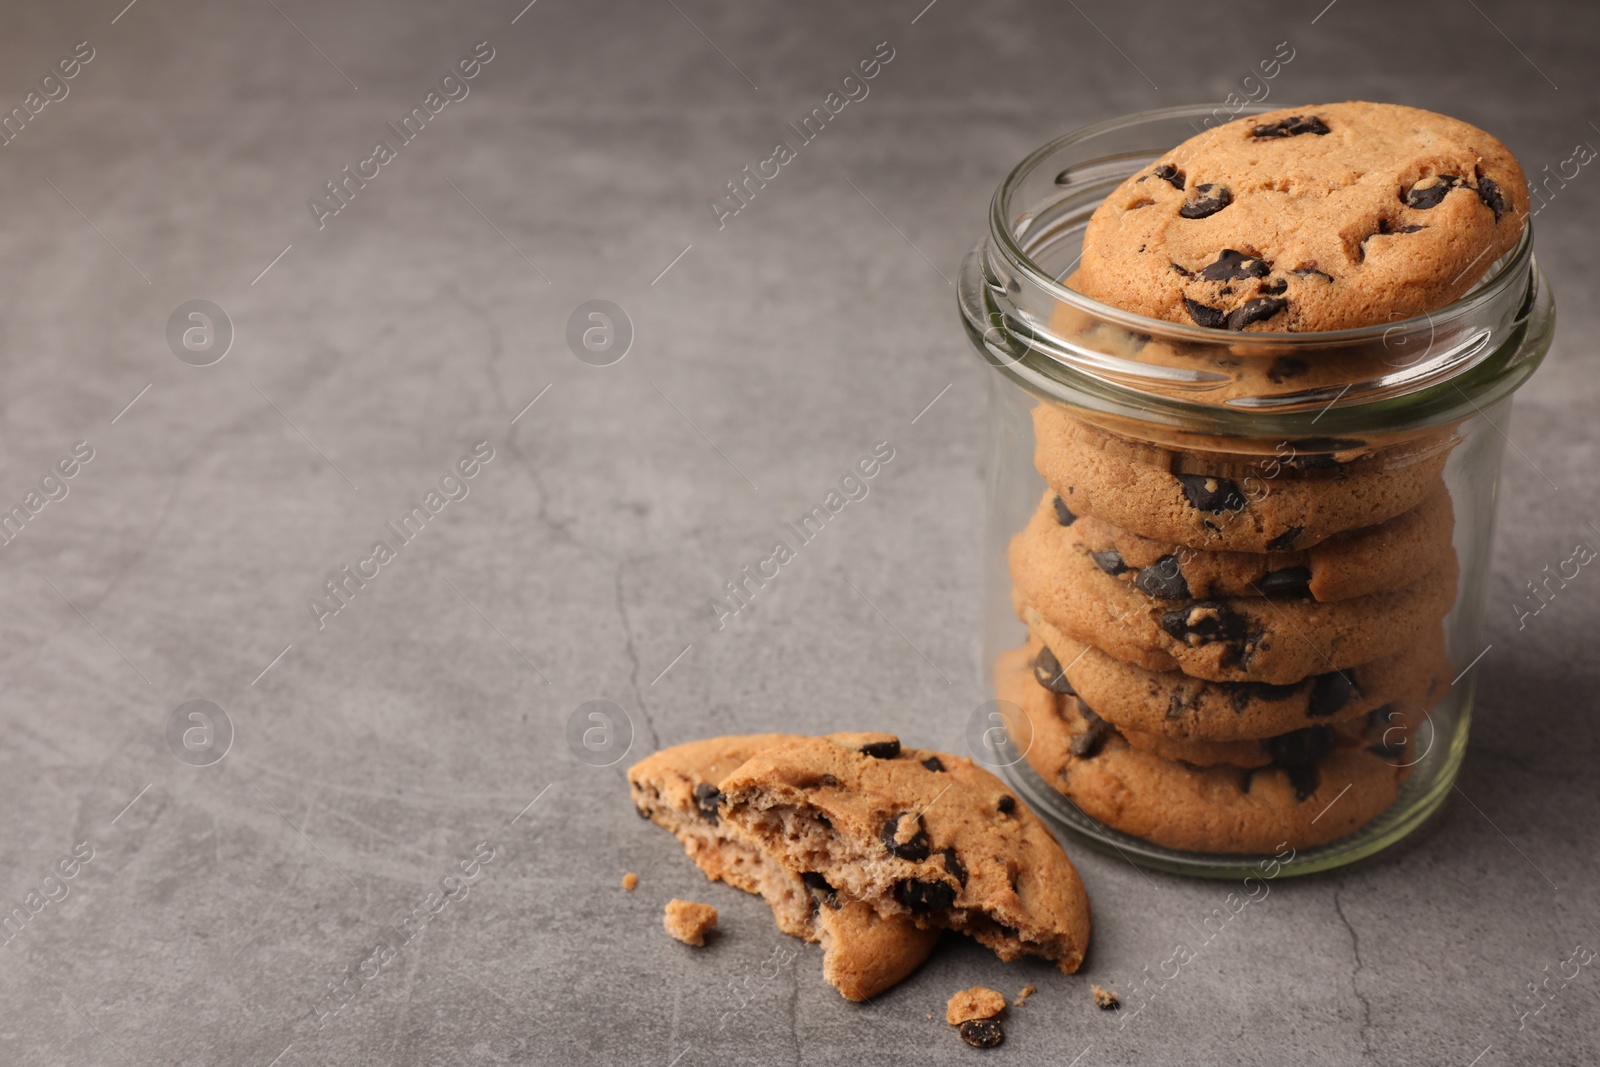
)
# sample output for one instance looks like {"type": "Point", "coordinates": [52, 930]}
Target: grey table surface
{"type": "Point", "coordinates": [249, 910]}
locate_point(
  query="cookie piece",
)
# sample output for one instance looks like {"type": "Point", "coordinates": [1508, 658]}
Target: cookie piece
{"type": "Point", "coordinates": [1105, 999]}
{"type": "Point", "coordinates": [1198, 501]}
{"type": "Point", "coordinates": [1145, 705]}
{"type": "Point", "coordinates": [689, 921]}
{"type": "Point", "coordinates": [1228, 639]}
{"type": "Point", "coordinates": [1317, 795]}
{"type": "Point", "coordinates": [979, 1002]}
{"type": "Point", "coordinates": [918, 834]}
{"type": "Point", "coordinates": [1360, 214]}
{"type": "Point", "coordinates": [1347, 565]}
{"type": "Point", "coordinates": [863, 953]}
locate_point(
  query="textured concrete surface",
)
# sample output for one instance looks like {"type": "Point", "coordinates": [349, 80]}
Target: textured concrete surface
{"type": "Point", "coordinates": [273, 906]}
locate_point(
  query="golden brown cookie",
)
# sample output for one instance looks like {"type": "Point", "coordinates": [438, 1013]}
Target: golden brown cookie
{"type": "Point", "coordinates": [1203, 501]}
{"type": "Point", "coordinates": [924, 835]}
{"type": "Point", "coordinates": [1318, 794]}
{"type": "Point", "coordinates": [863, 953]}
{"type": "Point", "coordinates": [1319, 218]}
{"type": "Point", "coordinates": [1169, 704]}
{"type": "Point", "coordinates": [1346, 565]}
{"type": "Point", "coordinates": [1277, 640]}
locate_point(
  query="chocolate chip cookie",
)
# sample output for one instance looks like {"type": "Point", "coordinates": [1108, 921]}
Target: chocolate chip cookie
{"type": "Point", "coordinates": [1347, 565]}
{"type": "Point", "coordinates": [864, 953]}
{"type": "Point", "coordinates": [1320, 788]}
{"type": "Point", "coordinates": [1169, 704]}
{"type": "Point", "coordinates": [1277, 640]}
{"type": "Point", "coordinates": [1200, 501]}
{"type": "Point", "coordinates": [1319, 218]}
{"type": "Point", "coordinates": [923, 835]}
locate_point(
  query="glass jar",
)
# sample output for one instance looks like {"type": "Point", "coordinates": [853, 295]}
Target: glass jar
{"type": "Point", "coordinates": [1236, 580]}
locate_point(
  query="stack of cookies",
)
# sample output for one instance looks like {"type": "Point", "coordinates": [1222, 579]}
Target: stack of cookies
{"type": "Point", "coordinates": [1233, 645]}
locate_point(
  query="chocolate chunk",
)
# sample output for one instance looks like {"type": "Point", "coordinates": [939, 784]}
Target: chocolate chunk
{"type": "Point", "coordinates": [1291, 581]}
{"type": "Point", "coordinates": [1163, 580]}
{"type": "Point", "coordinates": [1312, 272]}
{"type": "Point", "coordinates": [1169, 174]}
{"type": "Point", "coordinates": [828, 780]}
{"type": "Point", "coordinates": [1253, 311]}
{"type": "Point", "coordinates": [1276, 286]}
{"type": "Point", "coordinates": [953, 865]}
{"type": "Point", "coordinates": [1299, 748]}
{"type": "Point", "coordinates": [1209, 317]}
{"type": "Point", "coordinates": [1312, 461]}
{"type": "Point", "coordinates": [1285, 367]}
{"type": "Point", "coordinates": [1431, 196]}
{"type": "Point", "coordinates": [1234, 266]}
{"type": "Point", "coordinates": [820, 889]}
{"type": "Point", "coordinates": [882, 749]}
{"type": "Point", "coordinates": [1047, 669]}
{"type": "Point", "coordinates": [1211, 199]}
{"type": "Point", "coordinates": [1293, 126]}
{"type": "Point", "coordinates": [1489, 193]}
{"type": "Point", "coordinates": [1203, 622]}
{"type": "Point", "coordinates": [1180, 270]}
{"type": "Point", "coordinates": [1329, 693]}
{"type": "Point", "coordinates": [1063, 516]}
{"type": "Point", "coordinates": [933, 763]}
{"type": "Point", "coordinates": [1304, 779]}
{"type": "Point", "coordinates": [1214, 495]}
{"type": "Point", "coordinates": [981, 1033]}
{"type": "Point", "coordinates": [922, 897]}
{"type": "Point", "coordinates": [707, 798]}
{"type": "Point", "coordinates": [914, 847]}
{"type": "Point", "coordinates": [1386, 227]}
{"type": "Point", "coordinates": [1109, 561]}
{"type": "Point", "coordinates": [1282, 542]}
{"type": "Point", "coordinates": [1006, 804]}
{"type": "Point", "coordinates": [1088, 744]}
{"type": "Point", "coordinates": [1243, 693]}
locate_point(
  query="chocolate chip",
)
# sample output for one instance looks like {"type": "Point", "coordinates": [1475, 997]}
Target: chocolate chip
{"type": "Point", "coordinates": [1431, 196]}
{"type": "Point", "coordinates": [1284, 540]}
{"type": "Point", "coordinates": [1180, 270]}
{"type": "Point", "coordinates": [1299, 748]}
{"type": "Point", "coordinates": [820, 888]}
{"type": "Point", "coordinates": [882, 749]}
{"type": "Point", "coordinates": [953, 865]}
{"type": "Point", "coordinates": [1304, 779]}
{"type": "Point", "coordinates": [1243, 693]}
{"type": "Point", "coordinates": [1312, 461]}
{"type": "Point", "coordinates": [1234, 266]}
{"type": "Point", "coordinates": [1253, 311]}
{"type": "Point", "coordinates": [1293, 126]}
{"type": "Point", "coordinates": [1489, 193]}
{"type": "Point", "coordinates": [1047, 669]}
{"type": "Point", "coordinates": [828, 780]}
{"type": "Point", "coordinates": [1169, 174]}
{"type": "Point", "coordinates": [707, 798]}
{"type": "Point", "coordinates": [1088, 744]}
{"type": "Point", "coordinates": [1329, 693]}
{"type": "Point", "coordinates": [1212, 199]}
{"type": "Point", "coordinates": [1163, 580]}
{"type": "Point", "coordinates": [1276, 286]}
{"type": "Point", "coordinates": [1203, 622]}
{"type": "Point", "coordinates": [1110, 561]}
{"type": "Point", "coordinates": [921, 897]}
{"type": "Point", "coordinates": [1285, 367]}
{"type": "Point", "coordinates": [1214, 495]}
{"type": "Point", "coordinates": [933, 763]}
{"type": "Point", "coordinates": [981, 1033]}
{"type": "Point", "coordinates": [1386, 227]}
{"type": "Point", "coordinates": [1312, 272]}
{"type": "Point", "coordinates": [914, 847]}
{"type": "Point", "coordinates": [1209, 317]}
{"type": "Point", "coordinates": [1291, 581]}
{"type": "Point", "coordinates": [1063, 516]}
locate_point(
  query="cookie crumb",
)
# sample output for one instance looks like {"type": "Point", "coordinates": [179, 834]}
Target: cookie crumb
{"type": "Point", "coordinates": [1107, 1000]}
{"type": "Point", "coordinates": [982, 1033]}
{"type": "Point", "coordinates": [689, 922]}
{"type": "Point", "coordinates": [979, 1002]}
{"type": "Point", "coordinates": [1022, 996]}
{"type": "Point", "coordinates": [630, 880]}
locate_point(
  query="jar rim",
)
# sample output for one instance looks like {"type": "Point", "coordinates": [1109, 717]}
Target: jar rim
{"type": "Point", "coordinates": [1511, 267]}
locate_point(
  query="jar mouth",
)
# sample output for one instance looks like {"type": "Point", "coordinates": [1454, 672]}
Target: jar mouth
{"type": "Point", "coordinates": [1054, 339]}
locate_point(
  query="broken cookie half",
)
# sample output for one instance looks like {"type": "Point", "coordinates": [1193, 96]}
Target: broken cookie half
{"type": "Point", "coordinates": [863, 953]}
{"type": "Point", "coordinates": [869, 847]}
